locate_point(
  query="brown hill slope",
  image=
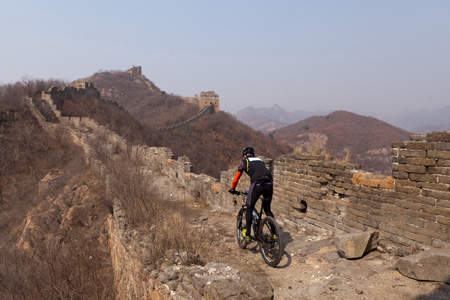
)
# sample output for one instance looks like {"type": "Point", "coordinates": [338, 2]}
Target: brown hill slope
{"type": "Point", "coordinates": [51, 216]}
{"type": "Point", "coordinates": [367, 139]}
{"type": "Point", "coordinates": [213, 143]}
{"type": "Point", "coordinates": [142, 98]}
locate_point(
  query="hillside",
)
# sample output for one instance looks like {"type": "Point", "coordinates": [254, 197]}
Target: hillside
{"type": "Point", "coordinates": [51, 209]}
{"type": "Point", "coordinates": [213, 143]}
{"type": "Point", "coordinates": [216, 141]}
{"type": "Point", "coordinates": [142, 98]}
{"type": "Point", "coordinates": [367, 139]}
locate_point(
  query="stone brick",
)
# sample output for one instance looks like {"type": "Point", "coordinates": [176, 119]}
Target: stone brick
{"type": "Point", "coordinates": [420, 215]}
{"type": "Point", "coordinates": [436, 227]}
{"type": "Point", "coordinates": [442, 211]}
{"type": "Point", "coordinates": [443, 136]}
{"type": "Point", "coordinates": [399, 159]}
{"type": "Point", "coordinates": [369, 223]}
{"type": "Point", "coordinates": [387, 209]}
{"type": "Point", "coordinates": [417, 237]}
{"type": "Point", "coordinates": [373, 180]}
{"type": "Point", "coordinates": [443, 179]}
{"type": "Point", "coordinates": [443, 203]}
{"type": "Point", "coordinates": [358, 212]}
{"type": "Point", "coordinates": [370, 190]}
{"type": "Point", "coordinates": [398, 144]}
{"type": "Point", "coordinates": [421, 161]}
{"type": "Point", "coordinates": [443, 220]}
{"type": "Point", "coordinates": [391, 229]}
{"type": "Point", "coordinates": [407, 183]}
{"type": "Point", "coordinates": [344, 202]}
{"type": "Point", "coordinates": [435, 186]}
{"type": "Point", "coordinates": [436, 234]}
{"type": "Point", "coordinates": [421, 199]}
{"type": "Point", "coordinates": [412, 153]}
{"type": "Point", "coordinates": [439, 170]}
{"type": "Point", "coordinates": [399, 175]}
{"type": "Point", "coordinates": [369, 203]}
{"type": "Point", "coordinates": [418, 137]}
{"type": "Point", "coordinates": [408, 204]}
{"type": "Point", "coordinates": [388, 194]}
{"type": "Point", "coordinates": [423, 177]}
{"type": "Point", "coordinates": [443, 163]}
{"type": "Point", "coordinates": [366, 208]}
{"type": "Point", "coordinates": [407, 190]}
{"type": "Point", "coordinates": [436, 194]}
{"type": "Point", "coordinates": [408, 220]}
{"type": "Point", "coordinates": [438, 154]}
{"type": "Point", "coordinates": [441, 146]}
{"type": "Point", "coordinates": [416, 145]}
{"type": "Point", "coordinates": [412, 168]}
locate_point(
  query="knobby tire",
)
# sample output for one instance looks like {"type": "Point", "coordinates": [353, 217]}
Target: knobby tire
{"type": "Point", "coordinates": [240, 226]}
{"type": "Point", "coordinates": [271, 248]}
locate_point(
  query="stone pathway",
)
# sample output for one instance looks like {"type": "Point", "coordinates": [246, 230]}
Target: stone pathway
{"type": "Point", "coordinates": [311, 267]}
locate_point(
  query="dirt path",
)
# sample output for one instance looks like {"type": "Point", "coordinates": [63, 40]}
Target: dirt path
{"type": "Point", "coordinates": [311, 267]}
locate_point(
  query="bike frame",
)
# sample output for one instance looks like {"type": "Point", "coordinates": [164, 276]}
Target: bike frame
{"type": "Point", "coordinates": [255, 225]}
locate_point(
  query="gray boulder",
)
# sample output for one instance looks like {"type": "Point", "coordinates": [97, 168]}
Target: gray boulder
{"type": "Point", "coordinates": [355, 245]}
{"type": "Point", "coordinates": [256, 286]}
{"type": "Point", "coordinates": [430, 265]}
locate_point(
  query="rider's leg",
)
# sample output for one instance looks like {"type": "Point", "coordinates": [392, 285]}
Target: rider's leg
{"type": "Point", "coordinates": [267, 192]}
{"type": "Point", "coordinates": [251, 201]}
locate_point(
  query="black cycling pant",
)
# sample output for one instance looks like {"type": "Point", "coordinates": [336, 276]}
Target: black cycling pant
{"type": "Point", "coordinates": [256, 190]}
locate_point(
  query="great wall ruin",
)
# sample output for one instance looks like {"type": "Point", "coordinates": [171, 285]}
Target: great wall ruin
{"type": "Point", "coordinates": [410, 210]}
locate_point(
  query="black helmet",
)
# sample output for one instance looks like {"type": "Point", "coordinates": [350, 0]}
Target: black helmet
{"type": "Point", "coordinates": [248, 150]}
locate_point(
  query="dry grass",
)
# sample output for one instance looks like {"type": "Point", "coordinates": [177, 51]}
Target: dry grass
{"type": "Point", "coordinates": [160, 223]}
{"type": "Point", "coordinates": [318, 150]}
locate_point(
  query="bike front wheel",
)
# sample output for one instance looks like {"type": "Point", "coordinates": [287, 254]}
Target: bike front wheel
{"type": "Point", "coordinates": [270, 241]}
{"type": "Point", "coordinates": [240, 226]}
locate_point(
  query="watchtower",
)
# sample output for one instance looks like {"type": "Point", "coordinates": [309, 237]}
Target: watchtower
{"type": "Point", "coordinates": [208, 98]}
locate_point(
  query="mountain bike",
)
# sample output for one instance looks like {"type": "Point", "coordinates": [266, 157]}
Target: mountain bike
{"type": "Point", "coordinates": [265, 231]}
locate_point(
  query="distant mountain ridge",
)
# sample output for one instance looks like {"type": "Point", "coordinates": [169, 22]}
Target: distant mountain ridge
{"type": "Point", "coordinates": [423, 121]}
{"type": "Point", "coordinates": [268, 119]}
{"type": "Point", "coordinates": [368, 139]}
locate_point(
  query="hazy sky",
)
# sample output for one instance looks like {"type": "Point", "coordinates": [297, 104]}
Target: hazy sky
{"type": "Point", "coordinates": [361, 56]}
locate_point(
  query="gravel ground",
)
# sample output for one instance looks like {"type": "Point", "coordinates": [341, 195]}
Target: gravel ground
{"type": "Point", "coordinates": [311, 267]}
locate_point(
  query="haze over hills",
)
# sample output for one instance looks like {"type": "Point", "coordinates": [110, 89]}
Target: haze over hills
{"type": "Point", "coordinates": [367, 139]}
{"type": "Point", "coordinates": [268, 119]}
{"type": "Point", "coordinates": [422, 121]}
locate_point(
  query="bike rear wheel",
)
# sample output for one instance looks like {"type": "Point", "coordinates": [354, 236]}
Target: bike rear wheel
{"type": "Point", "coordinates": [240, 226]}
{"type": "Point", "coordinates": [270, 241]}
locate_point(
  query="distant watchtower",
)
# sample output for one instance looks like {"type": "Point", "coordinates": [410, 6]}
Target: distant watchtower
{"type": "Point", "coordinates": [208, 98]}
{"type": "Point", "coordinates": [135, 70]}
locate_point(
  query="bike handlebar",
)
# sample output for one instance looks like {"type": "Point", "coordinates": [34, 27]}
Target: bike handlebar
{"type": "Point", "coordinates": [234, 192]}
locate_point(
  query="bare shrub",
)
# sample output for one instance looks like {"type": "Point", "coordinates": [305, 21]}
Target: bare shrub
{"type": "Point", "coordinates": [173, 239]}
{"type": "Point", "coordinates": [73, 271]}
{"type": "Point", "coordinates": [160, 221]}
{"type": "Point", "coordinates": [130, 183]}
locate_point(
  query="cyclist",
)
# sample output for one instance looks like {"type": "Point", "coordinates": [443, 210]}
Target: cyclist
{"type": "Point", "coordinates": [261, 184]}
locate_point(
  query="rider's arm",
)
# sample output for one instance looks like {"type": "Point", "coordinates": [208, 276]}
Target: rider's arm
{"type": "Point", "coordinates": [236, 180]}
